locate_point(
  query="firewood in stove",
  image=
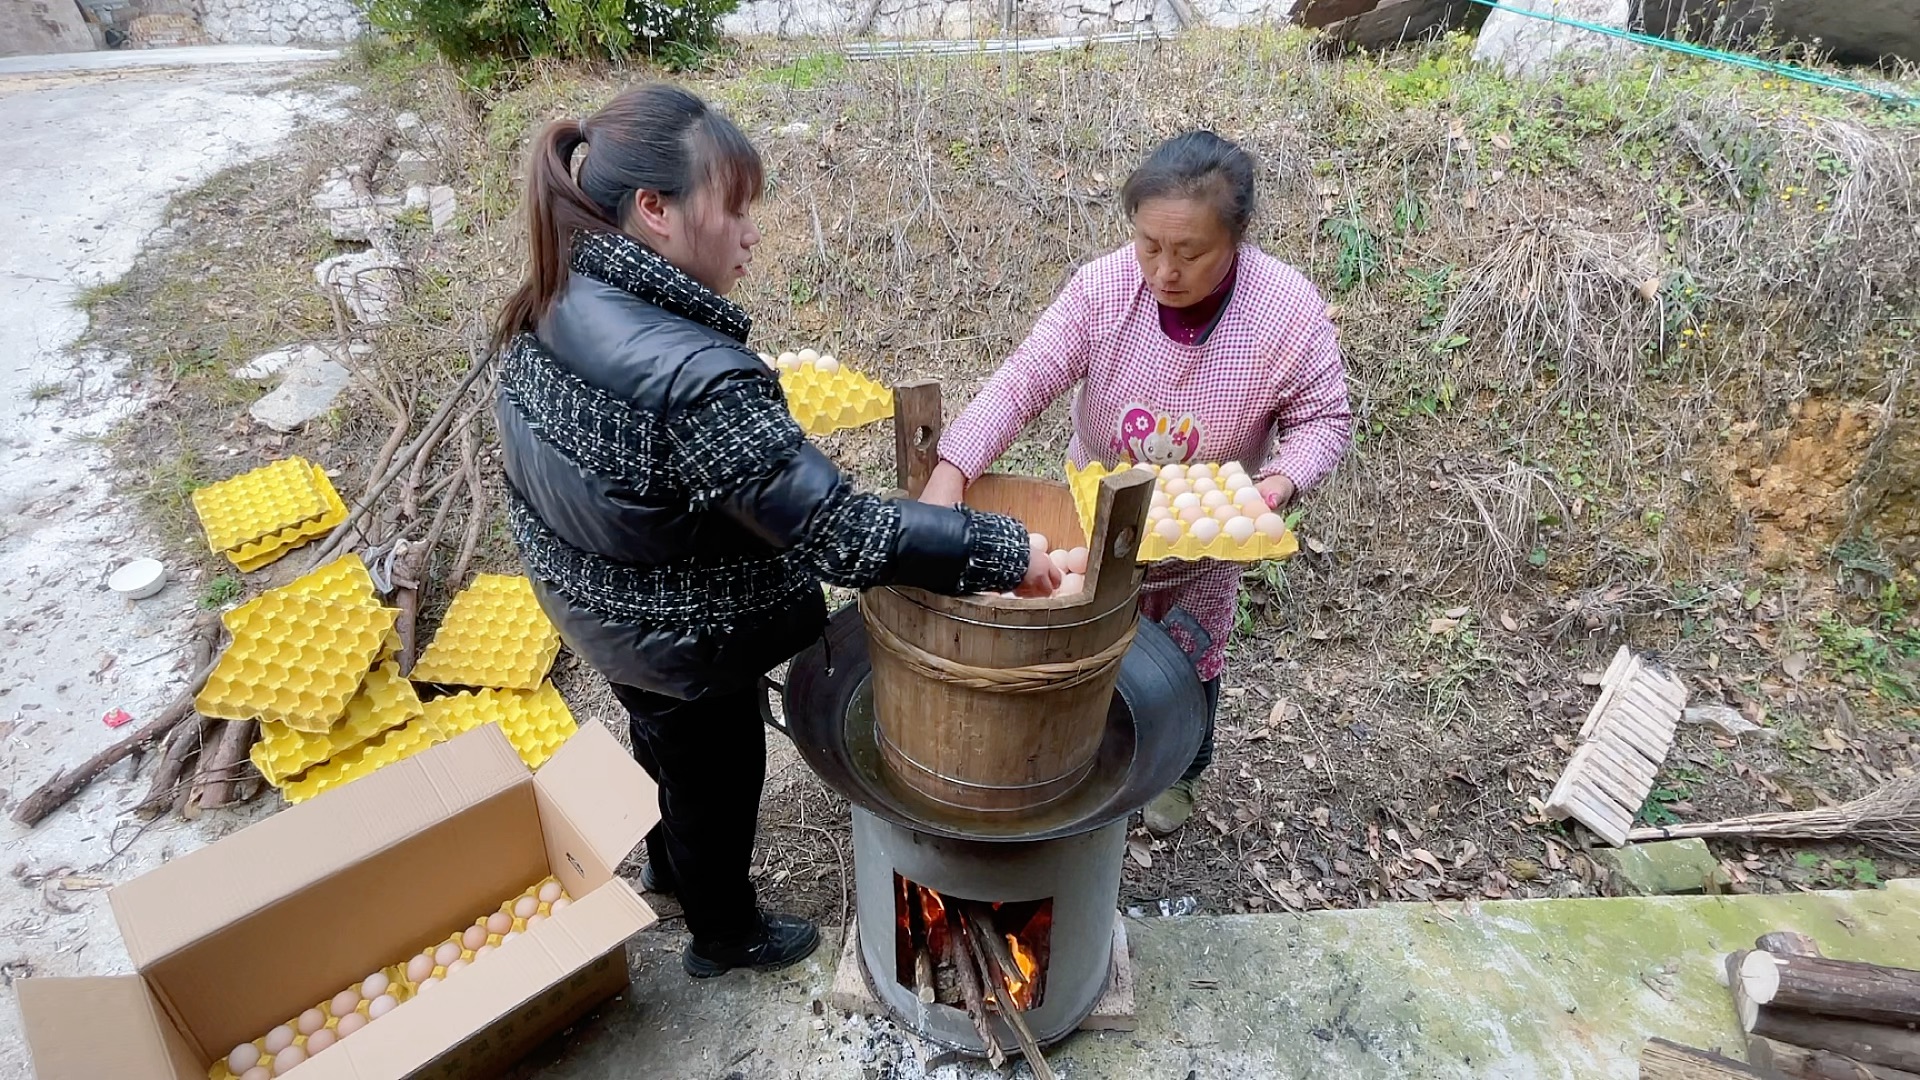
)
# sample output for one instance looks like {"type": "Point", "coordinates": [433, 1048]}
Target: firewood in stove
{"type": "Point", "coordinates": [996, 962]}
{"type": "Point", "coordinates": [1663, 1060]}
{"type": "Point", "coordinates": [966, 968]}
{"type": "Point", "coordinates": [1787, 943]}
{"type": "Point", "coordinates": [1802, 1063]}
{"type": "Point", "coordinates": [1842, 988]}
{"type": "Point", "coordinates": [917, 937]}
{"type": "Point", "coordinates": [1869, 1044]}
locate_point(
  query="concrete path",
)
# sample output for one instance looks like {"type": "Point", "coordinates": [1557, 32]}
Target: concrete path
{"type": "Point", "coordinates": [1524, 990]}
{"type": "Point", "coordinates": [199, 56]}
{"type": "Point", "coordinates": [87, 165]}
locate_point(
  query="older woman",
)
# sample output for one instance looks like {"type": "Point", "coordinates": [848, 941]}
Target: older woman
{"type": "Point", "coordinates": [1189, 345]}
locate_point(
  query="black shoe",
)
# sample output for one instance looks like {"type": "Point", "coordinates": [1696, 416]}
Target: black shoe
{"type": "Point", "coordinates": [653, 881]}
{"type": "Point", "coordinates": [782, 940]}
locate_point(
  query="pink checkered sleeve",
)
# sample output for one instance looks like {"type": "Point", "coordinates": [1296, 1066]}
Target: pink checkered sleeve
{"type": "Point", "coordinates": [1047, 364]}
{"type": "Point", "coordinates": [1315, 421]}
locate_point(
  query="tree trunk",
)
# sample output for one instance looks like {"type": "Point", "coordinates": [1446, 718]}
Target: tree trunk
{"type": "Point", "coordinates": [1662, 1060]}
{"type": "Point", "coordinates": [1840, 988]}
{"type": "Point", "coordinates": [1804, 1064]}
{"type": "Point", "coordinates": [1870, 1044]}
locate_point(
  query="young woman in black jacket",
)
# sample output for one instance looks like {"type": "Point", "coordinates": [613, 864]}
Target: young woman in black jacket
{"type": "Point", "coordinates": [674, 519]}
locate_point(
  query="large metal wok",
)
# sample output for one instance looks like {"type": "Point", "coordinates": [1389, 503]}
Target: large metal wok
{"type": "Point", "coordinates": [1154, 726]}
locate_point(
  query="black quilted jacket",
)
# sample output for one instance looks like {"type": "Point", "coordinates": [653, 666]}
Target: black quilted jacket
{"type": "Point", "coordinates": [675, 520]}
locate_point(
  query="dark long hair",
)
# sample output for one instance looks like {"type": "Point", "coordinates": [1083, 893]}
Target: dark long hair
{"type": "Point", "coordinates": [657, 138]}
{"type": "Point", "coordinates": [1197, 165]}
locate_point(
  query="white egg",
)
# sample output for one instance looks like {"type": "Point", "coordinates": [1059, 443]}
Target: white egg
{"type": "Point", "coordinates": [1214, 498]}
{"type": "Point", "coordinates": [525, 906]}
{"type": "Point", "coordinates": [447, 953]}
{"type": "Point", "coordinates": [244, 1057]}
{"type": "Point", "coordinates": [788, 361]}
{"type": "Point", "coordinates": [808, 356]}
{"type": "Point", "coordinates": [1158, 513]}
{"type": "Point", "coordinates": [1058, 556]}
{"type": "Point", "coordinates": [827, 364]}
{"type": "Point", "coordinates": [351, 1023]}
{"type": "Point", "coordinates": [562, 904]}
{"type": "Point", "coordinates": [375, 984]}
{"type": "Point", "coordinates": [1271, 526]}
{"type": "Point", "coordinates": [422, 966]}
{"type": "Point", "coordinates": [1185, 499]}
{"type": "Point", "coordinates": [769, 361]}
{"type": "Point", "coordinates": [1037, 541]}
{"type": "Point", "coordinates": [499, 922]}
{"type": "Point", "coordinates": [535, 920]}
{"type": "Point", "coordinates": [1169, 529]}
{"type": "Point", "coordinates": [279, 1039]}
{"type": "Point", "coordinates": [1240, 529]}
{"type": "Point", "coordinates": [1205, 485]}
{"type": "Point", "coordinates": [1071, 585]}
{"type": "Point", "coordinates": [429, 983]}
{"type": "Point", "coordinates": [476, 935]}
{"type": "Point", "coordinates": [1193, 513]}
{"type": "Point", "coordinates": [549, 892]}
{"type": "Point", "coordinates": [344, 1002]}
{"type": "Point", "coordinates": [1159, 498]}
{"type": "Point", "coordinates": [1205, 530]}
{"type": "Point", "coordinates": [1225, 513]}
{"type": "Point", "coordinates": [381, 1006]}
{"type": "Point", "coordinates": [482, 951]}
{"type": "Point", "coordinates": [1147, 467]}
{"type": "Point", "coordinates": [1232, 468]}
{"type": "Point", "coordinates": [310, 1021]}
{"type": "Point", "coordinates": [258, 1072]}
{"type": "Point", "coordinates": [1077, 560]}
{"type": "Point", "coordinates": [1172, 472]}
{"type": "Point", "coordinates": [1176, 487]}
{"type": "Point", "coordinates": [320, 1040]}
{"type": "Point", "coordinates": [456, 967]}
{"type": "Point", "coordinates": [285, 1061]}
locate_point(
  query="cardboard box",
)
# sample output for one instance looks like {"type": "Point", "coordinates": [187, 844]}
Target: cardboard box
{"type": "Point", "coordinates": [244, 934]}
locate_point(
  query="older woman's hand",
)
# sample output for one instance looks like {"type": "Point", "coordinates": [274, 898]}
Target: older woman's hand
{"type": "Point", "coordinates": [1278, 490]}
{"type": "Point", "coordinates": [946, 487]}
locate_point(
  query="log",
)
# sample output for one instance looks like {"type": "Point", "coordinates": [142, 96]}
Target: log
{"type": "Point", "coordinates": [66, 783]}
{"type": "Point", "coordinates": [182, 745]}
{"type": "Point", "coordinates": [1842, 988]}
{"type": "Point", "coordinates": [220, 766]}
{"type": "Point", "coordinates": [1002, 960]}
{"type": "Point", "coordinates": [1869, 1044]}
{"type": "Point", "coordinates": [964, 965]}
{"type": "Point", "coordinates": [1787, 943]}
{"type": "Point", "coordinates": [1744, 1007]}
{"type": "Point", "coordinates": [917, 937]}
{"type": "Point", "coordinates": [1663, 1060]}
{"type": "Point", "coordinates": [1802, 1063]}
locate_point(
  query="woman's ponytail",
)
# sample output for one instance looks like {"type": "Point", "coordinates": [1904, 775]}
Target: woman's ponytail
{"type": "Point", "coordinates": [556, 209]}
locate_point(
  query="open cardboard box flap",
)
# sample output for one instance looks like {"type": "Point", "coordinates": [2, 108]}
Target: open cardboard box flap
{"type": "Point", "coordinates": [356, 879]}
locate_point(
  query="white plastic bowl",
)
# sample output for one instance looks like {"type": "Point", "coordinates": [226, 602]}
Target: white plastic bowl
{"type": "Point", "coordinates": [139, 579]}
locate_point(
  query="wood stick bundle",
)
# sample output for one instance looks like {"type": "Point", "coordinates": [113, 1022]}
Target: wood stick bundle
{"type": "Point", "coordinates": [1815, 1018]}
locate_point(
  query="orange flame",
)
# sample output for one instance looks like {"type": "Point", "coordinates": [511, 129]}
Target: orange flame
{"type": "Point", "coordinates": [1020, 987]}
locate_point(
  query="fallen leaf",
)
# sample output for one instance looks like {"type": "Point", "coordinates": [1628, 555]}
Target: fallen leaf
{"type": "Point", "coordinates": [1442, 626]}
{"type": "Point", "coordinates": [1317, 545]}
{"type": "Point", "coordinates": [1650, 288]}
{"type": "Point", "coordinates": [1457, 130]}
{"type": "Point", "coordinates": [1217, 822]}
{"type": "Point", "coordinates": [1137, 850]}
{"type": "Point", "coordinates": [1795, 664]}
{"type": "Point", "coordinates": [1427, 857]}
{"type": "Point", "coordinates": [1508, 621]}
{"type": "Point", "coordinates": [1278, 714]}
{"type": "Point", "coordinates": [1468, 849]}
{"type": "Point", "coordinates": [1553, 856]}
{"type": "Point", "coordinates": [1523, 869]}
{"type": "Point", "coordinates": [1459, 613]}
{"type": "Point", "coordinates": [80, 882]}
{"type": "Point", "coordinates": [1308, 761]}
{"type": "Point", "coordinates": [1501, 142]}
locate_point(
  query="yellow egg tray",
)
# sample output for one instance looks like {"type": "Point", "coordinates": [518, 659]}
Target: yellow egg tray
{"type": "Point", "coordinates": [398, 986]}
{"type": "Point", "coordinates": [385, 701]}
{"type": "Point", "coordinates": [250, 557]}
{"type": "Point", "coordinates": [536, 722]}
{"type": "Point", "coordinates": [1085, 484]}
{"type": "Point", "coordinates": [296, 659]}
{"type": "Point", "coordinates": [827, 401]}
{"type": "Point", "coordinates": [259, 503]}
{"type": "Point", "coordinates": [355, 762]}
{"type": "Point", "coordinates": [494, 635]}
{"type": "Point", "coordinates": [405, 989]}
{"type": "Point", "coordinates": [344, 580]}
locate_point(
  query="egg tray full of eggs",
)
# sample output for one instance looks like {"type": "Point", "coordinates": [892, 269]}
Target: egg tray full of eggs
{"type": "Point", "coordinates": [289, 1045]}
{"type": "Point", "coordinates": [1199, 511]}
{"type": "Point", "coordinates": [825, 396]}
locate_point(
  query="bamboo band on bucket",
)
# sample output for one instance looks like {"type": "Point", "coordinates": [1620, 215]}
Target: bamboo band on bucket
{"type": "Point", "coordinates": [1030, 679]}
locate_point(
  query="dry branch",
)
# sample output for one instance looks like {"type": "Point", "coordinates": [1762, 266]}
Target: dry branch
{"type": "Point", "coordinates": [221, 765]}
{"type": "Point", "coordinates": [996, 960]}
{"type": "Point", "coordinates": [966, 965]}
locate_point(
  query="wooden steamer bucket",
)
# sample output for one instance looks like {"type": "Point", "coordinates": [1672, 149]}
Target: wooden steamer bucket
{"type": "Point", "coordinates": [989, 703]}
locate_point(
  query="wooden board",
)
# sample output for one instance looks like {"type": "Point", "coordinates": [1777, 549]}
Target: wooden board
{"type": "Point", "coordinates": [1623, 743]}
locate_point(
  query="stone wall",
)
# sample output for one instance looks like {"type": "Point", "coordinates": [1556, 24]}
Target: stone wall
{"type": "Point", "coordinates": [35, 27]}
{"type": "Point", "coordinates": [1386, 23]}
{"type": "Point", "coordinates": [282, 22]}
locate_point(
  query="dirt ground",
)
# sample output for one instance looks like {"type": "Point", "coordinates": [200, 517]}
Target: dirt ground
{"type": "Point", "coordinates": [1627, 354]}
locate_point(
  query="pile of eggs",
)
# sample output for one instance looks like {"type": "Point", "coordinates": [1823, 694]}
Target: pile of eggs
{"type": "Point", "coordinates": [317, 1029]}
{"type": "Point", "coordinates": [1071, 562]}
{"type": "Point", "coordinates": [801, 361]}
{"type": "Point", "coordinates": [1207, 502]}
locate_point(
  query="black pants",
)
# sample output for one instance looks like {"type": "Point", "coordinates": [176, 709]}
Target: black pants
{"type": "Point", "coordinates": [709, 757]}
{"type": "Point", "coordinates": [1204, 756]}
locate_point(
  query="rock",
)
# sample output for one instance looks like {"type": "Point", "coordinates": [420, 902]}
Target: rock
{"type": "Point", "coordinates": [414, 167]}
{"type": "Point", "coordinates": [442, 206]}
{"type": "Point", "coordinates": [336, 194]}
{"type": "Point", "coordinates": [308, 391]}
{"type": "Point", "coordinates": [360, 224]}
{"type": "Point", "coordinates": [1855, 32]}
{"type": "Point", "coordinates": [1389, 23]}
{"type": "Point", "coordinates": [1666, 868]}
{"type": "Point", "coordinates": [368, 283]}
{"type": "Point", "coordinates": [407, 123]}
{"type": "Point", "coordinates": [1524, 45]}
{"type": "Point", "coordinates": [799, 129]}
{"type": "Point", "coordinates": [269, 364]}
{"type": "Point", "coordinates": [418, 197]}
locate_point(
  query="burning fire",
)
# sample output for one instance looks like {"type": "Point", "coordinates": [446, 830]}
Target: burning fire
{"type": "Point", "coordinates": [1021, 987]}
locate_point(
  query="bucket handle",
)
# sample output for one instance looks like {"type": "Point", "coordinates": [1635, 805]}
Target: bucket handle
{"type": "Point", "coordinates": [768, 690]}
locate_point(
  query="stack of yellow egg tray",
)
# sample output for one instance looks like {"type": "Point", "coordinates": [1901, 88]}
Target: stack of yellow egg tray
{"type": "Point", "coordinates": [825, 396]}
{"type": "Point", "coordinates": [1268, 538]}
{"type": "Point", "coordinates": [260, 515]}
{"type": "Point", "coordinates": [536, 722]}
